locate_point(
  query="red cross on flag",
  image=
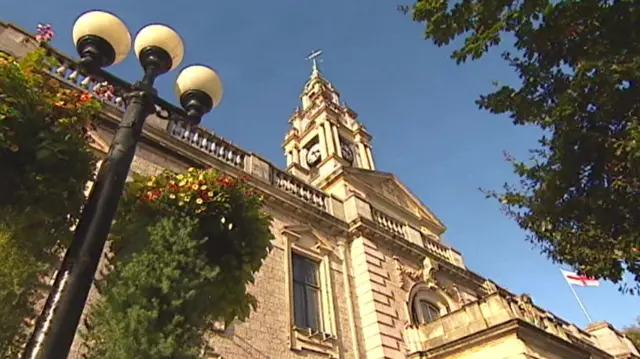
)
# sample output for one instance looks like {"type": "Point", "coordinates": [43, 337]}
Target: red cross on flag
{"type": "Point", "coordinates": [580, 280]}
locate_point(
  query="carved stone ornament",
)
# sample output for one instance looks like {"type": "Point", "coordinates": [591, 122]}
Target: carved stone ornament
{"type": "Point", "coordinates": [529, 311]}
{"type": "Point", "coordinates": [404, 273]}
{"type": "Point", "coordinates": [427, 275]}
{"type": "Point", "coordinates": [390, 191]}
{"type": "Point", "coordinates": [489, 287]}
{"type": "Point", "coordinates": [348, 189]}
{"type": "Point", "coordinates": [455, 293]}
{"type": "Point", "coordinates": [429, 269]}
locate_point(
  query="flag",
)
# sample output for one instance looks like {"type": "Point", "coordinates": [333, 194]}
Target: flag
{"type": "Point", "coordinates": [579, 280]}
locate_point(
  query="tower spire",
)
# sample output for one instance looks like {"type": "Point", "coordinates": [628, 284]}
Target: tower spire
{"type": "Point", "coordinates": [313, 57]}
{"type": "Point", "coordinates": [325, 134]}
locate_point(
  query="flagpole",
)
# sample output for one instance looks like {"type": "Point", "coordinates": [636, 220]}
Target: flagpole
{"type": "Point", "coordinates": [584, 309]}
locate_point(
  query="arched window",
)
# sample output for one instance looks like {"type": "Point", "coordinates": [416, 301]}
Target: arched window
{"type": "Point", "coordinates": [424, 311]}
{"type": "Point", "coordinates": [426, 304]}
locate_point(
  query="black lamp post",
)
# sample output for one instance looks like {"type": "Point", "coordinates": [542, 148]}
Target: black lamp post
{"type": "Point", "coordinates": [101, 40]}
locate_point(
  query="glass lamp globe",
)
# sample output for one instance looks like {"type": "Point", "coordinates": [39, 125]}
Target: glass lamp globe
{"type": "Point", "coordinates": [200, 78]}
{"type": "Point", "coordinates": [199, 90]}
{"type": "Point", "coordinates": [103, 28]}
{"type": "Point", "coordinates": [163, 37]}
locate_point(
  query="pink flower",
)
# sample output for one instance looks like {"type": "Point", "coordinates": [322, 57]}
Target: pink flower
{"type": "Point", "coordinates": [104, 91]}
{"type": "Point", "coordinates": [44, 33]}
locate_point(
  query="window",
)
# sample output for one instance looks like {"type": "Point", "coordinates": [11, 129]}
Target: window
{"type": "Point", "coordinates": [310, 307]}
{"type": "Point", "coordinates": [306, 293]}
{"type": "Point", "coordinates": [424, 311]}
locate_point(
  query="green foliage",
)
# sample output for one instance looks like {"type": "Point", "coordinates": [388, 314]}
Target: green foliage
{"type": "Point", "coordinates": [186, 247]}
{"type": "Point", "coordinates": [18, 285]}
{"type": "Point", "coordinates": [45, 162]}
{"type": "Point", "coordinates": [633, 333]}
{"type": "Point", "coordinates": [579, 66]}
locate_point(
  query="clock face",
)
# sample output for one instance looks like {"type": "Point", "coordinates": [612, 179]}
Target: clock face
{"type": "Point", "coordinates": [347, 152]}
{"type": "Point", "coordinates": [313, 156]}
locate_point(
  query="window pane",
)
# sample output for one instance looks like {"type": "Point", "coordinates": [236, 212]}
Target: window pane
{"type": "Point", "coordinates": [429, 311]}
{"type": "Point", "coordinates": [305, 270]}
{"type": "Point", "coordinates": [299, 305]}
{"type": "Point", "coordinates": [313, 308]}
{"type": "Point", "coordinates": [424, 312]}
{"type": "Point", "coordinates": [415, 312]}
{"type": "Point", "coordinates": [434, 313]}
{"type": "Point", "coordinates": [306, 293]}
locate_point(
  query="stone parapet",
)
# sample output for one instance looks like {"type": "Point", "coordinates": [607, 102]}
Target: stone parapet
{"type": "Point", "coordinates": [613, 341]}
{"type": "Point", "coordinates": [493, 313]}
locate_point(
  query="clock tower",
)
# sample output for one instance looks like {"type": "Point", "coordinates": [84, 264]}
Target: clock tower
{"type": "Point", "coordinates": [325, 134]}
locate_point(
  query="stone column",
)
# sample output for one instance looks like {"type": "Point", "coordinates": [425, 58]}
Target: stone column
{"type": "Point", "coordinates": [296, 154]}
{"type": "Point", "coordinates": [289, 158]}
{"type": "Point", "coordinates": [331, 146]}
{"type": "Point", "coordinates": [303, 157]}
{"type": "Point", "coordinates": [323, 142]}
{"type": "Point", "coordinates": [336, 136]}
{"type": "Point", "coordinates": [364, 158]}
{"type": "Point", "coordinates": [370, 156]}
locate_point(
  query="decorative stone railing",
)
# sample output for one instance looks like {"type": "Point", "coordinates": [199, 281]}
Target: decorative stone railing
{"type": "Point", "coordinates": [438, 248]}
{"type": "Point", "coordinates": [392, 225]}
{"type": "Point", "coordinates": [294, 186]}
{"type": "Point", "coordinates": [356, 207]}
{"type": "Point", "coordinates": [490, 311]}
{"type": "Point", "coordinates": [207, 142]}
{"type": "Point", "coordinates": [69, 73]}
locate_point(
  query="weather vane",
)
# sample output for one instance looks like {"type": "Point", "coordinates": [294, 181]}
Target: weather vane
{"type": "Point", "coordinates": [314, 59]}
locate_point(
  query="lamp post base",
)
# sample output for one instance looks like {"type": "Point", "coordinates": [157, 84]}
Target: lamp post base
{"type": "Point", "coordinates": [93, 228]}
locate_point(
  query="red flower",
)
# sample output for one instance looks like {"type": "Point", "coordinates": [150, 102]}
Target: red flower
{"type": "Point", "coordinates": [225, 181]}
{"type": "Point", "coordinates": [85, 97]}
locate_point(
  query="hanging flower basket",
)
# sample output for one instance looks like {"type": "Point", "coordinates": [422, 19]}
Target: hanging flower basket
{"type": "Point", "coordinates": [186, 246]}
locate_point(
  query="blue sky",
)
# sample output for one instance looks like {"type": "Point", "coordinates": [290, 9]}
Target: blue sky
{"type": "Point", "coordinates": [416, 102]}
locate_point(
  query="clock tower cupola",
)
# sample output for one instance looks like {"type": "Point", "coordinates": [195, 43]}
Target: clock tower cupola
{"type": "Point", "coordinates": [325, 133]}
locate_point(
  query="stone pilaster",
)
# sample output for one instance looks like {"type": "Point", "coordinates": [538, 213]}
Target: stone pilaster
{"type": "Point", "coordinates": [375, 302]}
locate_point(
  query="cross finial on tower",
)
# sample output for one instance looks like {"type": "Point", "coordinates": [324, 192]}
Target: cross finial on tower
{"type": "Point", "coordinates": [314, 59]}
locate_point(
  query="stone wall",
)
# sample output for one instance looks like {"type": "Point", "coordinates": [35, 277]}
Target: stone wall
{"type": "Point", "coordinates": [267, 332]}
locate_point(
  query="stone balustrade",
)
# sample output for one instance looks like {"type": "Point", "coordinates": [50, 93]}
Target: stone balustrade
{"type": "Point", "coordinates": [490, 312]}
{"type": "Point", "coordinates": [296, 187]}
{"type": "Point", "coordinates": [208, 142]}
{"type": "Point", "coordinates": [438, 249]}
{"type": "Point", "coordinates": [68, 72]}
{"type": "Point", "coordinates": [388, 223]}
{"type": "Point", "coordinates": [356, 207]}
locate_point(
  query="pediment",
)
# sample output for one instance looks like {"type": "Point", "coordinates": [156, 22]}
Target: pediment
{"type": "Point", "coordinates": [308, 237]}
{"type": "Point", "coordinates": [389, 187]}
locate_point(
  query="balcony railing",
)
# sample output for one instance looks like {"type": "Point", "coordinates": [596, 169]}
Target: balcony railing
{"type": "Point", "coordinates": [67, 72]}
{"type": "Point", "coordinates": [437, 248]}
{"type": "Point", "coordinates": [388, 223]}
{"type": "Point", "coordinates": [294, 186]}
{"type": "Point", "coordinates": [485, 313]}
{"type": "Point", "coordinates": [209, 143]}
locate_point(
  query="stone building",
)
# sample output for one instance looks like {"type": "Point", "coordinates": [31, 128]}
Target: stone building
{"type": "Point", "coordinates": [358, 269]}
